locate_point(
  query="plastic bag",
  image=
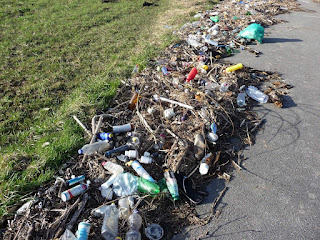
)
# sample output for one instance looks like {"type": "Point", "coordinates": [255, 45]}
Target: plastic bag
{"type": "Point", "coordinates": [253, 31]}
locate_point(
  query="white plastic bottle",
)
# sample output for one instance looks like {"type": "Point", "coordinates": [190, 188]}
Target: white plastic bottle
{"type": "Point", "coordinates": [257, 95]}
{"type": "Point", "coordinates": [99, 147]}
{"type": "Point", "coordinates": [141, 171]}
{"type": "Point", "coordinates": [109, 229]}
{"type": "Point", "coordinates": [241, 99]}
{"type": "Point", "coordinates": [135, 222]}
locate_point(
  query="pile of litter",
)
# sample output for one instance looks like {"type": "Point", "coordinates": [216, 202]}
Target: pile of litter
{"type": "Point", "coordinates": [165, 137]}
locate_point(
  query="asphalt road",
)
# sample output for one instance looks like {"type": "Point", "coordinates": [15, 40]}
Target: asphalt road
{"type": "Point", "coordinates": [277, 196]}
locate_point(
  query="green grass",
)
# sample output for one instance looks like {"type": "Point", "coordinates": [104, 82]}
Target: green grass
{"type": "Point", "coordinates": [59, 58]}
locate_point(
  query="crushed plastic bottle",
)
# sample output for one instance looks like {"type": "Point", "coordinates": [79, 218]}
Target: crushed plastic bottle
{"type": "Point", "coordinates": [109, 229]}
{"type": "Point", "coordinates": [100, 147]}
{"type": "Point", "coordinates": [257, 95]}
{"type": "Point", "coordinates": [113, 167]}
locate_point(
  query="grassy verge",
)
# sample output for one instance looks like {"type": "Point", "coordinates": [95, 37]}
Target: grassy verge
{"type": "Point", "coordinates": [59, 58]}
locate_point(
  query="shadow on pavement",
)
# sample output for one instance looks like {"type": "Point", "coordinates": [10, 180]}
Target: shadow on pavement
{"type": "Point", "coordinates": [280, 40]}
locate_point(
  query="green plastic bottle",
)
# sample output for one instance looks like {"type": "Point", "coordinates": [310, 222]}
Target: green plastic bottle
{"type": "Point", "coordinates": [145, 186]}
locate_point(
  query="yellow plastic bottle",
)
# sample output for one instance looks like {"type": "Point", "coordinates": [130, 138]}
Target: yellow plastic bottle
{"type": "Point", "coordinates": [234, 67]}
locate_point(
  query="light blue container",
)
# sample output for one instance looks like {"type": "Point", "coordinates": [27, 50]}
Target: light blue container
{"type": "Point", "coordinates": [83, 231]}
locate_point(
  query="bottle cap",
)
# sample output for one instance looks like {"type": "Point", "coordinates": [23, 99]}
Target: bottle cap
{"type": "Point", "coordinates": [80, 151]}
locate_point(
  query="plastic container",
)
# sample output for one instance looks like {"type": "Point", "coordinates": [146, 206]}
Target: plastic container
{"type": "Point", "coordinates": [100, 147]}
{"type": "Point", "coordinates": [141, 171]}
{"type": "Point", "coordinates": [192, 74]}
{"type": "Point", "coordinates": [146, 159]}
{"type": "Point", "coordinates": [211, 86]}
{"type": "Point", "coordinates": [224, 87]}
{"type": "Point", "coordinates": [83, 231]}
{"type": "Point", "coordinates": [172, 184]}
{"type": "Point", "coordinates": [73, 192]}
{"type": "Point", "coordinates": [110, 181]}
{"type": "Point", "coordinates": [205, 164]}
{"type": "Point", "coordinates": [122, 128]}
{"type": "Point", "coordinates": [257, 95]}
{"type": "Point", "coordinates": [113, 167]}
{"type": "Point", "coordinates": [109, 229]}
{"type": "Point", "coordinates": [117, 150]}
{"type": "Point", "coordinates": [124, 208]}
{"type": "Point", "coordinates": [105, 136]}
{"type": "Point", "coordinates": [234, 67]}
{"type": "Point", "coordinates": [154, 231]}
{"type": "Point", "coordinates": [132, 154]}
{"type": "Point", "coordinates": [241, 99]}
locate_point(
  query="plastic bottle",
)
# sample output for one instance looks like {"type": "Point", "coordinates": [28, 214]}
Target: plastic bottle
{"type": "Point", "coordinates": [192, 74]}
{"type": "Point", "coordinates": [106, 192]}
{"type": "Point", "coordinates": [257, 95]}
{"type": "Point", "coordinates": [234, 67]}
{"type": "Point", "coordinates": [147, 187]}
{"type": "Point", "coordinates": [135, 69]}
{"type": "Point", "coordinates": [105, 136]}
{"type": "Point", "coordinates": [68, 235]}
{"type": "Point", "coordinates": [109, 229]}
{"type": "Point", "coordinates": [224, 87]}
{"type": "Point", "coordinates": [122, 128]}
{"type": "Point", "coordinates": [211, 86]}
{"type": "Point", "coordinates": [132, 154]}
{"type": "Point", "coordinates": [90, 149]}
{"type": "Point", "coordinates": [75, 180]}
{"type": "Point", "coordinates": [140, 170]}
{"type": "Point", "coordinates": [83, 231]}
{"type": "Point", "coordinates": [172, 184]}
{"type": "Point", "coordinates": [205, 164]}
{"type": "Point", "coordinates": [113, 167]}
{"type": "Point", "coordinates": [116, 150]}
{"type": "Point", "coordinates": [73, 192]}
{"type": "Point", "coordinates": [241, 99]}
{"type": "Point", "coordinates": [124, 208]}
{"type": "Point", "coordinates": [135, 223]}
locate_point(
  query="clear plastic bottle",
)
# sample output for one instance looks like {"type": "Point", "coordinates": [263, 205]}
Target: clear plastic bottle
{"type": "Point", "coordinates": [257, 95]}
{"type": "Point", "coordinates": [135, 223]}
{"type": "Point", "coordinates": [113, 167]}
{"type": "Point", "coordinates": [109, 229]}
{"type": "Point", "coordinates": [90, 149]}
{"type": "Point", "coordinates": [241, 99]}
{"type": "Point", "coordinates": [172, 184]}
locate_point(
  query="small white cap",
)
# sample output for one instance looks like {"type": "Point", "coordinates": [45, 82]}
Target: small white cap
{"type": "Point", "coordinates": [204, 168]}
